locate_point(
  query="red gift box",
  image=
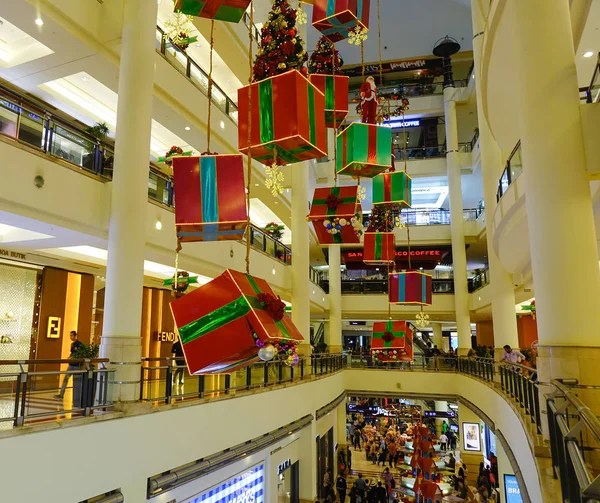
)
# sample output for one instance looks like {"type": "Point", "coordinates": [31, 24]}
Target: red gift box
{"type": "Point", "coordinates": [221, 10]}
{"type": "Point", "coordinates": [215, 323]}
{"type": "Point", "coordinates": [335, 89]}
{"type": "Point", "coordinates": [379, 248]}
{"type": "Point", "coordinates": [392, 341]}
{"type": "Point", "coordinates": [288, 114]}
{"type": "Point", "coordinates": [335, 18]}
{"type": "Point", "coordinates": [210, 203]}
{"type": "Point", "coordinates": [410, 287]}
{"type": "Point", "coordinates": [335, 204]}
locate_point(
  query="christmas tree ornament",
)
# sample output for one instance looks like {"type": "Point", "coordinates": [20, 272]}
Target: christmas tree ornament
{"type": "Point", "coordinates": [274, 181]}
{"type": "Point", "coordinates": [211, 198]}
{"type": "Point", "coordinates": [362, 193]}
{"type": "Point", "coordinates": [336, 215]}
{"type": "Point", "coordinates": [379, 248]}
{"type": "Point", "coordinates": [180, 281]}
{"type": "Point", "coordinates": [301, 16]}
{"type": "Point", "coordinates": [220, 10]}
{"type": "Point", "coordinates": [223, 324]}
{"type": "Point", "coordinates": [363, 150]}
{"type": "Point", "coordinates": [358, 35]}
{"type": "Point", "coordinates": [179, 30]}
{"type": "Point", "coordinates": [422, 319]}
{"type": "Point", "coordinates": [392, 341]}
{"type": "Point", "coordinates": [267, 353]}
{"type": "Point", "coordinates": [410, 287]}
{"type": "Point", "coordinates": [337, 19]}
{"type": "Point", "coordinates": [392, 190]}
{"type": "Point", "coordinates": [173, 152]}
{"type": "Point", "coordinates": [287, 118]}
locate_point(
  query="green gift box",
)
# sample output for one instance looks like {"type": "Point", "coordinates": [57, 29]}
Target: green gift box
{"type": "Point", "coordinates": [392, 189]}
{"type": "Point", "coordinates": [364, 150]}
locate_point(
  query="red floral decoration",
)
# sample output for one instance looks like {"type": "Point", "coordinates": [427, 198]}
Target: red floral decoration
{"type": "Point", "coordinates": [388, 336]}
{"type": "Point", "coordinates": [272, 305]}
{"type": "Point", "coordinates": [333, 201]}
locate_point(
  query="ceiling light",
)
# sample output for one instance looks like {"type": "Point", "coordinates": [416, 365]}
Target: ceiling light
{"type": "Point", "coordinates": [158, 225]}
{"type": "Point", "coordinates": [198, 44]}
{"type": "Point", "coordinates": [85, 78]}
{"type": "Point", "coordinates": [38, 21]}
{"type": "Point", "coordinates": [187, 128]}
{"type": "Point", "coordinates": [588, 54]}
{"type": "Point", "coordinates": [276, 202]}
{"type": "Point", "coordinates": [222, 125]}
{"type": "Point", "coordinates": [273, 271]}
{"type": "Point", "coordinates": [257, 184]}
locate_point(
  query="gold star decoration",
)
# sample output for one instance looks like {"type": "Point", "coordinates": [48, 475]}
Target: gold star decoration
{"type": "Point", "coordinates": [422, 319]}
{"type": "Point", "coordinates": [398, 223]}
{"type": "Point", "coordinates": [358, 35]}
{"type": "Point", "coordinates": [274, 181]}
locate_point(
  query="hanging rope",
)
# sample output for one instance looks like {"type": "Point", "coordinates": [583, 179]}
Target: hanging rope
{"type": "Point", "coordinates": [362, 58]}
{"type": "Point", "coordinates": [210, 84]}
{"type": "Point", "coordinates": [379, 42]}
{"type": "Point", "coordinates": [249, 156]}
{"type": "Point", "coordinates": [335, 128]}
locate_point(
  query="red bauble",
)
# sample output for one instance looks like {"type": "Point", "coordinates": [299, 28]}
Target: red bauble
{"type": "Point", "coordinates": [292, 33]}
{"type": "Point", "coordinates": [288, 48]}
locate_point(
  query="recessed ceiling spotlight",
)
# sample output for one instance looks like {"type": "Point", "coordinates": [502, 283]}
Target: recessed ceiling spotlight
{"type": "Point", "coordinates": [187, 128]}
{"type": "Point", "coordinates": [273, 271]}
{"type": "Point", "coordinates": [588, 54]}
{"type": "Point", "coordinates": [38, 21]}
{"type": "Point", "coordinates": [158, 225]}
{"type": "Point", "coordinates": [222, 125]}
{"type": "Point", "coordinates": [85, 78]}
{"type": "Point", "coordinates": [257, 184]}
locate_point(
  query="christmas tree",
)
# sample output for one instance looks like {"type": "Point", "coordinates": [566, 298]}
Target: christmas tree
{"type": "Point", "coordinates": [325, 59]}
{"type": "Point", "coordinates": [280, 49]}
{"type": "Point", "coordinates": [381, 220]}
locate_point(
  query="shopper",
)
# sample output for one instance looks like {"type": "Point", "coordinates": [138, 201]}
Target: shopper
{"type": "Point", "coordinates": [445, 427]}
{"type": "Point", "coordinates": [357, 436]}
{"type": "Point", "coordinates": [354, 497]}
{"type": "Point", "coordinates": [328, 494]}
{"type": "Point", "coordinates": [437, 356]}
{"type": "Point", "coordinates": [361, 486]}
{"type": "Point", "coordinates": [382, 455]}
{"type": "Point", "coordinates": [75, 345]}
{"type": "Point", "coordinates": [341, 486]}
{"type": "Point", "coordinates": [512, 355]}
{"type": "Point", "coordinates": [381, 493]}
{"type": "Point", "coordinates": [374, 452]}
{"type": "Point", "coordinates": [451, 464]}
{"type": "Point", "coordinates": [349, 456]}
{"type": "Point", "coordinates": [177, 352]}
{"type": "Point", "coordinates": [453, 440]}
{"type": "Point", "coordinates": [443, 442]}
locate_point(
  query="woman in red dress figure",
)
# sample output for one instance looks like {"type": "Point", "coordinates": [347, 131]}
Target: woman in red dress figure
{"type": "Point", "coordinates": [368, 101]}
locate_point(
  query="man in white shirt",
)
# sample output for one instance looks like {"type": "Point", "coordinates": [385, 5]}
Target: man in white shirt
{"type": "Point", "coordinates": [443, 442]}
{"type": "Point", "coordinates": [512, 355]}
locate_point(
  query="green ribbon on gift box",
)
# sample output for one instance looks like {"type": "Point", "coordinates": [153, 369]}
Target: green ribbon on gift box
{"type": "Point", "coordinates": [389, 325]}
{"type": "Point", "coordinates": [329, 92]}
{"type": "Point", "coordinates": [220, 317]}
{"type": "Point", "coordinates": [267, 124]}
{"type": "Point", "coordinates": [378, 246]}
{"type": "Point", "coordinates": [181, 280]}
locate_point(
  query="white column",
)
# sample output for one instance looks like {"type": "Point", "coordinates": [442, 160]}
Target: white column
{"type": "Point", "coordinates": [562, 234]}
{"type": "Point", "coordinates": [127, 230]}
{"type": "Point", "coordinates": [457, 231]}
{"type": "Point", "coordinates": [300, 255]}
{"type": "Point", "coordinates": [440, 406]}
{"type": "Point", "coordinates": [308, 463]}
{"type": "Point", "coordinates": [335, 300]}
{"type": "Point", "coordinates": [437, 335]}
{"type": "Point", "coordinates": [503, 298]}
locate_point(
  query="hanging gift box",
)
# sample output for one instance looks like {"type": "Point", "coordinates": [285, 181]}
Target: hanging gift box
{"type": "Point", "coordinates": [392, 341]}
{"type": "Point", "coordinates": [222, 324]}
{"type": "Point", "coordinates": [411, 287]}
{"type": "Point", "coordinates": [335, 89]}
{"type": "Point", "coordinates": [220, 10]}
{"type": "Point", "coordinates": [379, 248]}
{"type": "Point", "coordinates": [393, 189]}
{"type": "Point", "coordinates": [363, 150]}
{"type": "Point", "coordinates": [210, 198]}
{"type": "Point", "coordinates": [336, 18]}
{"type": "Point", "coordinates": [288, 120]}
{"type": "Point", "coordinates": [336, 215]}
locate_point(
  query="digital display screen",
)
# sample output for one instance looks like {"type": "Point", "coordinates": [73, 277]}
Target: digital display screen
{"type": "Point", "coordinates": [246, 487]}
{"type": "Point", "coordinates": [512, 490]}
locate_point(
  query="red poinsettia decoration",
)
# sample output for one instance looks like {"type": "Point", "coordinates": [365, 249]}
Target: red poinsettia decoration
{"type": "Point", "coordinates": [333, 201]}
{"type": "Point", "coordinates": [272, 305]}
{"type": "Point", "coordinates": [388, 336]}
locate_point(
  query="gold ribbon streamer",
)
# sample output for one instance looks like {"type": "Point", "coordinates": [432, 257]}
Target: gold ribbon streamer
{"type": "Point", "coordinates": [249, 156]}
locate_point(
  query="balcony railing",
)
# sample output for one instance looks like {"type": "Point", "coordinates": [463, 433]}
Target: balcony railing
{"type": "Point", "coordinates": [362, 286]}
{"type": "Point", "coordinates": [514, 167]}
{"type": "Point", "coordinates": [591, 94]}
{"type": "Point", "coordinates": [410, 89]}
{"type": "Point", "coordinates": [434, 216]}
{"type": "Point", "coordinates": [182, 62]}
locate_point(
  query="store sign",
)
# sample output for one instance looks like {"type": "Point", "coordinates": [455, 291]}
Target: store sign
{"type": "Point", "coordinates": [439, 415]}
{"type": "Point", "coordinates": [13, 254]}
{"type": "Point", "coordinates": [433, 254]}
{"type": "Point", "coordinates": [395, 66]}
{"type": "Point", "coordinates": [512, 489]}
{"type": "Point", "coordinates": [53, 331]}
{"type": "Point", "coordinates": [284, 466]}
{"type": "Point", "coordinates": [166, 336]}
{"type": "Point", "coordinates": [403, 124]}
{"type": "Point", "coordinates": [247, 487]}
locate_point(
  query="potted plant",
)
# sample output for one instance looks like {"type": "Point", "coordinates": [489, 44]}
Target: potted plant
{"type": "Point", "coordinates": [87, 351]}
{"type": "Point", "coordinates": [99, 131]}
{"type": "Point", "coordinates": [274, 230]}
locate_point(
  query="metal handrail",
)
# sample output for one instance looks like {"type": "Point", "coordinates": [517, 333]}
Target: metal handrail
{"type": "Point", "coordinates": [590, 419]}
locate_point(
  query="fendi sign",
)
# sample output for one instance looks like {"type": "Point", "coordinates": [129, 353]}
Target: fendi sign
{"type": "Point", "coordinates": [166, 336]}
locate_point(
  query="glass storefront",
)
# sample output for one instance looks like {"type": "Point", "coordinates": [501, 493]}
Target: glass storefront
{"type": "Point", "coordinates": [288, 483]}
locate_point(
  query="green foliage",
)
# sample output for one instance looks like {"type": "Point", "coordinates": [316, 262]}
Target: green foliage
{"type": "Point", "coordinates": [87, 351]}
{"type": "Point", "coordinates": [99, 131]}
